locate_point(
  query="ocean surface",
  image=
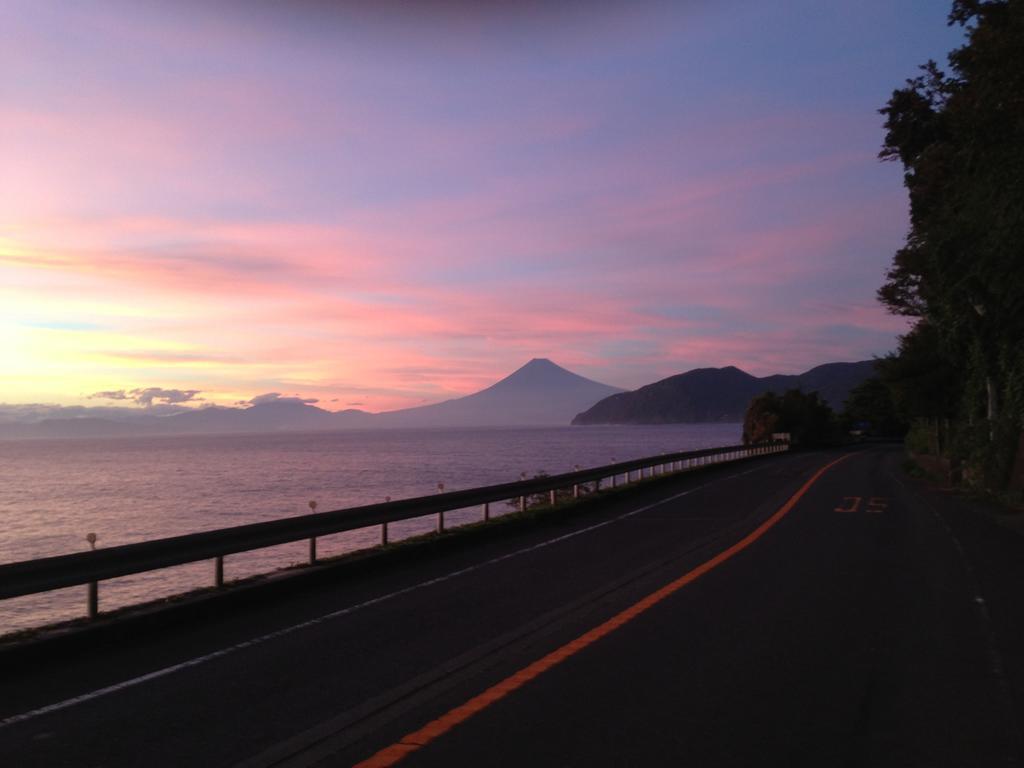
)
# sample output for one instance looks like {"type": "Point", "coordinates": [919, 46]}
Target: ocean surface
{"type": "Point", "coordinates": [55, 492]}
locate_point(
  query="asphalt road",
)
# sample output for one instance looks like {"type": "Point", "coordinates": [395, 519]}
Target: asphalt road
{"type": "Point", "coordinates": [748, 615]}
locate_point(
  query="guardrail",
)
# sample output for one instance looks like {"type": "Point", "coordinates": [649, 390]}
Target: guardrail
{"type": "Point", "coordinates": [30, 577]}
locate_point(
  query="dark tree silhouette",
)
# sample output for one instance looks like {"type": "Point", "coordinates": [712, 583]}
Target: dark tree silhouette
{"type": "Point", "coordinates": [808, 420]}
{"type": "Point", "coordinates": [960, 138]}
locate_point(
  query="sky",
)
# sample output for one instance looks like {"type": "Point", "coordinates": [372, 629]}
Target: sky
{"type": "Point", "coordinates": [384, 208]}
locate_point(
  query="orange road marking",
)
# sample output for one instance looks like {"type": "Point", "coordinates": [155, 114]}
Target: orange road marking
{"type": "Point", "coordinates": [853, 501]}
{"type": "Point", "coordinates": [417, 739]}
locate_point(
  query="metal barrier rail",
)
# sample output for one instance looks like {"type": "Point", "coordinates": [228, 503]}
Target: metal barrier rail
{"type": "Point", "coordinates": [30, 577]}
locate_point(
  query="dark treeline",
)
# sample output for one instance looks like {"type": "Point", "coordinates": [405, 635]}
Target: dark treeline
{"type": "Point", "coordinates": [955, 385]}
{"type": "Point", "coordinates": [957, 376]}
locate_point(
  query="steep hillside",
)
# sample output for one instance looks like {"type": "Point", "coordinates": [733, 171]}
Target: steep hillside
{"type": "Point", "coordinates": [719, 394]}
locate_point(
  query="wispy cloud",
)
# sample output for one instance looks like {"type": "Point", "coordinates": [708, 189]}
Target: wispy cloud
{"type": "Point", "coordinates": [385, 214]}
{"type": "Point", "coordinates": [277, 397]}
{"type": "Point", "coordinates": [149, 396]}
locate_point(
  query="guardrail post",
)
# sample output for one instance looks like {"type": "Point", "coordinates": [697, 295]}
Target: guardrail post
{"type": "Point", "coordinates": [93, 601]}
{"type": "Point", "coordinates": [522, 499]}
{"type": "Point", "coordinates": [218, 571]}
{"type": "Point", "coordinates": [551, 497]}
{"type": "Point", "coordinates": [440, 515]}
{"type": "Point", "coordinates": [384, 534]}
{"type": "Point", "coordinates": [312, 539]}
{"type": "Point", "coordinates": [487, 511]}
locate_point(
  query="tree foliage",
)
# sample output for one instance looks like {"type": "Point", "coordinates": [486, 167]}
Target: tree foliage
{"type": "Point", "coordinates": [808, 420]}
{"type": "Point", "coordinates": [960, 138]}
{"type": "Point", "coordinates": [871, 409]}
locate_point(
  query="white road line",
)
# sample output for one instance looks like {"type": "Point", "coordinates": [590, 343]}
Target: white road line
{"type": "Point", "coordinates": [165, 671]}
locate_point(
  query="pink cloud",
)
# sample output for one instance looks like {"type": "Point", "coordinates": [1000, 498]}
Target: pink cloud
{"type": "Point", "coordinates": [328, 221]}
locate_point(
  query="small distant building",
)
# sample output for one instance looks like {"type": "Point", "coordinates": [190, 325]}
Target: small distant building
{"type": "Point", "coordinates": [781, 436]}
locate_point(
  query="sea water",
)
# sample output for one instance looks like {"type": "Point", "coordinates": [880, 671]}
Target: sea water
{"type": "Point", "coordinates": [53, 493]}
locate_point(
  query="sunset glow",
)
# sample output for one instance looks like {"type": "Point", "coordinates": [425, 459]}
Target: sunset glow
{"type": "Point", "coordinates": [382, 212]}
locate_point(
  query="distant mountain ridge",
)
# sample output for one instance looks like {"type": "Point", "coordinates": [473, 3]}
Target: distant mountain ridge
{"type": "Point", "coordinates": [539, 393]}
{"type": "Point", "coordinates": [720, 394]}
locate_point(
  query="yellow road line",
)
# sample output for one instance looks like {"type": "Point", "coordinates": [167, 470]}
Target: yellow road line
{"type": "Point", "coordinates": [417, 739]}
